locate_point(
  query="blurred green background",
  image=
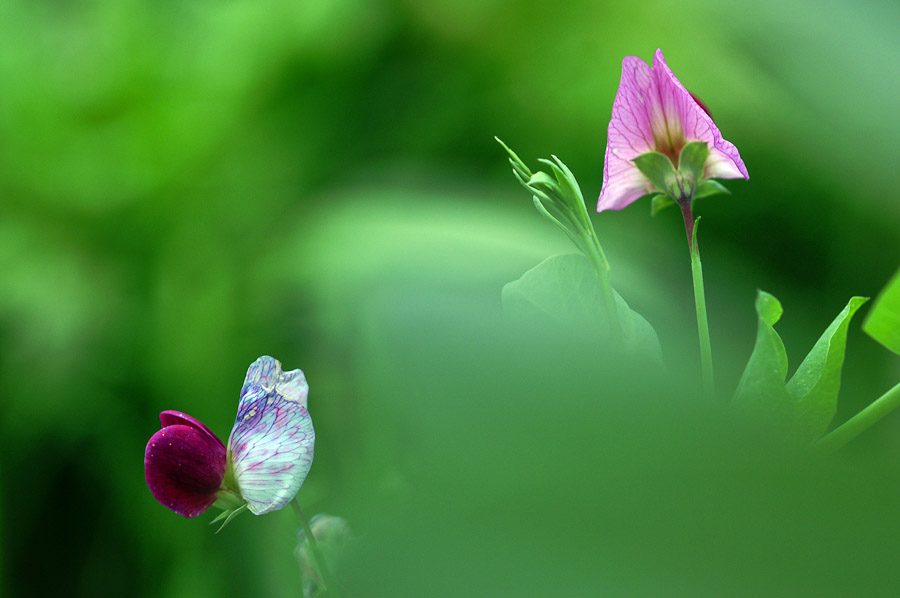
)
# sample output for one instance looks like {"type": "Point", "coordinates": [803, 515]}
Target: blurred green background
{"type": "Point", "coordinates": [185, 186]}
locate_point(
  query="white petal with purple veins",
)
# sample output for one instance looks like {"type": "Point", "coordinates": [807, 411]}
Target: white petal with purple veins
{"type": "Point", "coordinates": [271, 445]}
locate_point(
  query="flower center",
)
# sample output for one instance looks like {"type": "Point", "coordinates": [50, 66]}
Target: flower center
{"type": "Point", "coordinates": [670, 141]}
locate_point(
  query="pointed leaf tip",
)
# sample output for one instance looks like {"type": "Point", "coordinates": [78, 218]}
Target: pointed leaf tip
{"type": "Point", "coordinates": [882, 323]}
{"type": "Point", "coordinates": [816, 383]}
{"type": "Point", "coordinates": [768, 307]}
{"type": "Point", "coordinates": [802, 408]}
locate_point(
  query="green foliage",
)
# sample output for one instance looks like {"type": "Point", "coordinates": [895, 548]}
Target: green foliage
{"type": "Point", "coordinates": [564, 290]}
{"type": "Point", "coordinates": [816, 382]}
{"type": "Point", "coordinates": [761, 389]}
{"type": "Point", "coordinates": [883, 321]}
{"type": "Point", "coordinates": [186, 186]}
{"type": "Point", "coordinates": [557, 198]}
{"type": "Point", "coordinates": [805, 405]}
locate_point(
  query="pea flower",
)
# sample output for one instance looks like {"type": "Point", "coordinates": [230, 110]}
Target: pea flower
{"type": "Point", "coordinates": [654, 113]}
{"type": "Point", "coordinates": [268, 456]}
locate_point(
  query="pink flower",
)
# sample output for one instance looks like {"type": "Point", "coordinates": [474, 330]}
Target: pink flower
{"type": "Point", "coordinates": [184, 464]}
{"type": "Point", "coordinates": [268, 456]}
{"type": "Point", "coordinates": [653, 112]}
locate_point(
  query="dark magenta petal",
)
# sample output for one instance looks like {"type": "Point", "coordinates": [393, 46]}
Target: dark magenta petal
{"type": "Point", "coordinates": [184, 466]}
{"type": "Point", "coordinates": [174, 418]}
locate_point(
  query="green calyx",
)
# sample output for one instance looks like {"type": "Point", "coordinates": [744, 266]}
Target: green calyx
{"type": "Point", "coordinates": [228, 499]}
{"type": "Point", "coordinates": [227, 514]}
{"type": "Point", "coordinates": [678, 185]}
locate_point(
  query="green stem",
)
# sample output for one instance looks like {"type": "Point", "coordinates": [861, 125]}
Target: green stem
{"type": "Point", "coordinates": [706, 364]}
{"type": "Point", "coordinates": [601, 266]}
{"type": "Point", "coordinates": [321, 564]}
{"type": "Point", "coordinates": [859, 423]}
{"type": "Point", "coordinates": [595, 254]}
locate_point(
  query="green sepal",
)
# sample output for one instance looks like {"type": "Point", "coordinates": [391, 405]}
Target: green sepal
{"type": "Point", "coordinates": [658, 169]}
{"type": "Point", "coordinates": [660, 202]}
{"type": "Point", "coordinates": [710, 187]}
{"type": "Point", "coordinates": [805, 406]}
{"type": "Point", "coordinates": [883, 321]}
{"type": "Point", "coordinates": [692, 160]}
{"type": "Point", "coordinates": [228, 515]}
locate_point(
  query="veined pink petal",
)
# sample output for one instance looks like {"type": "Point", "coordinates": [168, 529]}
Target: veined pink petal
{"type": "Point", "coordinates": [654, 112]}
{"type": "Point", "coordinates": [629, 135]}
{"type": "Point", "coordinates": [184, 466]}
{"type": "Point", "coordinates": [696, 125]}
{"type": "Point", "coordinates": [272, 442]}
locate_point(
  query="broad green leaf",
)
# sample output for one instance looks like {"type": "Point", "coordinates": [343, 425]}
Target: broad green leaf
{"type": "Point", "coordinates": [761, 389]}
{"type": "Point", "coordinates": [805, 406]}
{"type": "Point", "coordinates": [883, 321]}
{"type": "Point", "coordinates": [565, 290]}
{"type": "Point", "coordinates": [816, 382]}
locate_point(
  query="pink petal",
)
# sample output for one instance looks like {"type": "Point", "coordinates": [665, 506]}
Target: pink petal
{"type": "Point", "coordinates": [184, 468]}
{"type": "Point", "coordinates": [272, 442]}
{"type": "Point", "coordinates": [629, 135]}
{"type": "Point", "coordinates": [696, 125]}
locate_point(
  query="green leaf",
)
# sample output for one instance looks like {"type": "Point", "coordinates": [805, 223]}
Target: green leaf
{"type": "Point", "coordinates": [658, 168]}
{"type": "Point", "coordinates": [564, 290]}
{"type": "Point", "coordinates": [522, 171]}
{"type": "Point", "coordinates": [883, 321]}
{"type": "Point", "coordinates": [692, 160]}
{"type": "Point", "coordinates": [805, 406]}
{"type": "Point", "coordinates": [542, 182]}
{"type": "Point", "coordinates": [710, 187]}
{"type": "Point", "coordinates": [761, 389]}
{"type": "Point", "coordinates": [816, 383]}
{"type": "Point", "coordinates": [570, 191]}
{"type": "Point", "coordinates": [660, 202]}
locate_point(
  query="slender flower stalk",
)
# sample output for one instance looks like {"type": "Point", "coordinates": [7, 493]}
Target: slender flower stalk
{"type": "Point", "coordinates": [706, 364]}
{"type": "Point", "coordinates": [860, 422]}
{"type": "Point", "coordinates": [323, 571]}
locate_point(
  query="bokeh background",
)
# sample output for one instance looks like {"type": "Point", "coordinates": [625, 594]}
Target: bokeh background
{"type": "Point", "coordinates": [185, 186]}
